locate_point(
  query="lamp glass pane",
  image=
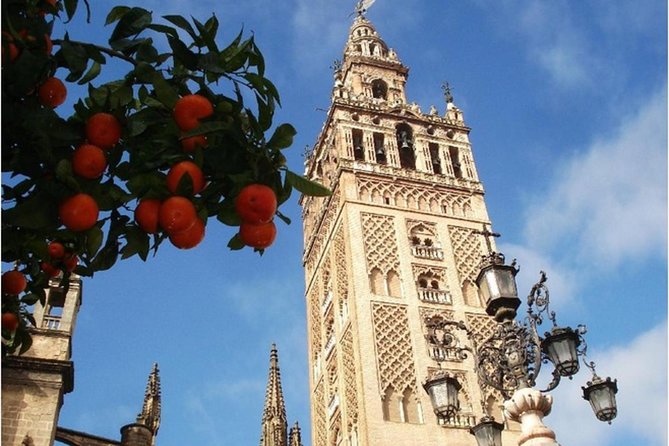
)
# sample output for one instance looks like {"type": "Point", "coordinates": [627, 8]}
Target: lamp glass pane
{"type": "Point", "coordinates": [507, 283]}
{"type": "Point", "coordinates": [603, 402]}
{"type": "Point", "coordinates": [487, 435]}
{"type": "Point", "coordinates": [562, 353]}
{"type": "Point", "coordinates": [490, 278]}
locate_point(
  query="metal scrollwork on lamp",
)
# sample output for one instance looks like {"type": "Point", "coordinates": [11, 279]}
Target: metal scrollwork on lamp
{"type": "Point", "coordinates": [510, 359]}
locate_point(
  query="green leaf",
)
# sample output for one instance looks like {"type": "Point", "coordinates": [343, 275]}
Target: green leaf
{"type": "Point", "coordinates": [284, 218]}
{"type": "Point", "coordinates": [307, 187]}
{"type": "Point", "coordinates": [70, 8]}
{"type": "Point", "coordinates": [207, 127]}
{"type": "Point", "coordinates": [282, 137]}
{"type": "Point", "coordinates": [37, 212]}
{"type": "Point", "coordinates": [236, 243]}
{"type": "Point", "coordinates": [181, 23]}
{"type": "Point", "coordinates": [227, 214]}
{"type": "Point", "coordinates": [132, 23]}
{"type": "Point", "coordinates": [182, 54]}
{"type": "Point", "coordinates": [167, 30]}
{"type": "Point", "coordinates": [116, 13]}
{"type": "Point", "coordinates": [93, 240]}
{"type": "Point", "coordinates": [30, 299]}
{"type": "Point", "coordinates": [206, 35]}
{"type": "Point", "coordinates": [137, 242]}
{"type": "Point", "coordinates": [91, 74]}
{"type": "Point", "coordinates": [26, 342]}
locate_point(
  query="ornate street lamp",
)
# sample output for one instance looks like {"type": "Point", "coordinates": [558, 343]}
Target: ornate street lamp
{"type": "Point", "coordinates": [601, 393]}
{"type": "Point", "coordinates": [510, 359]}
{"type": "Point", "coordinates": [443, 391]}
{"type": "Point", "coordinates": [488, 432]}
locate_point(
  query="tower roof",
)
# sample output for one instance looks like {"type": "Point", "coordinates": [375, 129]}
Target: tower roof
{"type": "Point", "coordinates": [150, 415]}
{"type": "Point", "coordinates": [274, 403]}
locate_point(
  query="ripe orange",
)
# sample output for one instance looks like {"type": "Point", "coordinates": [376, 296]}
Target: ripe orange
{"type": "Point", "coordinates": [89, 161]}
{"type": "Point", "coordinates": [78, 212]}
{"type": "Point", "coordinates": [49, 269]}
{"type": "Point", "coordinates": [103, 130]}
{"type": "Point", "coordinates": [146, 215]}
{"type": "Point", "coordinates": [190, 109]}
{"type": "Point", "coordinates": [12, 50]}
{"type": "Point", "coordinates": [258, 236]}
{"type": "Point", "coordinates": [256, 203]}
{"type": "Point", "coordinates": [56, 250]}
{"type": "Point", "coordinates": [13, 282]}
{"type": "Point", "coordinates": [189, 238]}
{"type": "Point", "coordinates": [192, 143]}
{"type": "Point", "coordinates": [177, 214]}
{"type": "Point", "coordinates": [71, 263]}
{"type": "Point", "coordinates": [52, 92]}
{"type": "Point", "coordinates": [185, 168]}
{"type": "Point", "coordinates": [9, 321]}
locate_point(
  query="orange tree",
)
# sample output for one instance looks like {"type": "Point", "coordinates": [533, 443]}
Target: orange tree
{"type": "Point", "coordinates": [72, 187]}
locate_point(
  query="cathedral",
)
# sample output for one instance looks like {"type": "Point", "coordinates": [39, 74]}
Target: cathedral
{"type": "Point", "coordinates": [396, 247]}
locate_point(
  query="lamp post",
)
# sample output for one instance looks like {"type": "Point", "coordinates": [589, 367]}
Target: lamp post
{"type": "Point", "coordinates": [510, 359]}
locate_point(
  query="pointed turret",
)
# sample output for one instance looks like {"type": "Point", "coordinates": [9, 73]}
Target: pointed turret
{"type": "Point", "coordinates": [150, 415]}
{"type": "Point", "coordinates": [295, 435]}
{"type": "Point", "coordinates": [274, 424]}
{"type": "Point", "coordinates": [365, 53]}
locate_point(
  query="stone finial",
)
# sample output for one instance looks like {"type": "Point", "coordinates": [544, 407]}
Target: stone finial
{"type": "Point", "coordinates": [528, 406]}
{"type": "Point", "coordinates": [150, 415]}
{"type": "Point", "coordinates": [274, 424]}
{"type": "Point", "coordinates": [295, 436]}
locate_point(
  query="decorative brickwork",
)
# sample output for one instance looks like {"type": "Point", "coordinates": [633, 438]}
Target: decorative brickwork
{"type": "Point", "coordinates": [318, 405]}
{"type": "Point", "coordinates": [380, 243]}
{"type": "Point", "coordinates": [350, 386]}
{"type": "Point", "coordinates": [395, 357]}
{"type": "Point", "coordinates": [467, 250]}
{"type": "Point", "coordinates": [405, 195]}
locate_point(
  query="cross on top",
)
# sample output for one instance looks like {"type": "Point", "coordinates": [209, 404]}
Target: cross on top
{"type": "Point", "coordinates": [485, 232]}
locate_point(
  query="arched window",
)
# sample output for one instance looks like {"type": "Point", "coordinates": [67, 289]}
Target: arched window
{"type": "Point", "coordinates": [394, 287]}
{"type": "Point", "coordinates": [379, 89]}
{"type": "Point", "coordinates": [405, 146]}
{"type": "Point", "coordinates": [376, 282]}
{"type": "Point", "coordinates": [358, 150]}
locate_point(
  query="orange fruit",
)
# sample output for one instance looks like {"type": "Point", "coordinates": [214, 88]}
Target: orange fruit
{"type": "Point", "coordinates": [71, 263]}
{"type": "Point", "coordinates": [192, 143]}
{"type": "Point", "coordinates": [146, 215]}
{"type": "Point", "coordinates": [256, 203]}
{"type": "Point", "coordinates": [189, 238]}
{"type": "Point", "coordinates": [9, 321]}
{"type": "Point", "coordinates": [52, 92]}
{"type": "Point", "coordinates": [103, 130]}
{"type": "Point", "coordinates": [78, 212]}
{"type": "Point", "coordinates": [258, 236]}
{"type": "Point", "coordinates": [177, 214]}
{"type": "Point", "coordinates": [185, 168]}
{"type": "Point", "coordinates": [49, 269]}
{"type": "Point", "coordinates": [56, 250]}
{"type": "Point", "coordinates": [190, 109]}
{"type": "Point", "coordinates": [12, 51]}
{"type": "Point", "coordinates": [89, 161]}
{"type": "Point", "coordinates": [13, 282]}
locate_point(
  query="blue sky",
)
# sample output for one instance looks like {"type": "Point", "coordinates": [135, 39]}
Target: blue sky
{"type": "Point", "coordinates": [567, 102]}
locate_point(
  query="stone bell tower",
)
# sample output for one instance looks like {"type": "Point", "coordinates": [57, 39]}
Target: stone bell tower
{"type": "Point", "coordinates": [394, 246]}
{"type": "Point", "coordinates": [34, 383]}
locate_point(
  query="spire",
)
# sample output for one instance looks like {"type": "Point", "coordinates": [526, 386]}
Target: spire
{"type": "Point", "coordinates": [150, 415]}
{"type": "Point", "coordinates": [295, 435]}
{"type": "Point", "coordinates": [274, 424]}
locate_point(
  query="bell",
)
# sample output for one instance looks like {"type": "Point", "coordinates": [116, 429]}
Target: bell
{"type": "Point", "coordinates": [379, 151]}
{"type": "Point", "coordinates": [405, 144]}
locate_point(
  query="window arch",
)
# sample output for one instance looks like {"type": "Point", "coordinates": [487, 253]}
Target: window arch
{"type": "Point", "coordinates": [405, 146]}
{"type": "Point", "coordinates": [379, 89]}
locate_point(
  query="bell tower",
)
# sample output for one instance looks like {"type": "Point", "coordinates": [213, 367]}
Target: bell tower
{"type": "Point", "coordinates": [33, 384]}
{"type": "Point", "coordinates": [394, 247]}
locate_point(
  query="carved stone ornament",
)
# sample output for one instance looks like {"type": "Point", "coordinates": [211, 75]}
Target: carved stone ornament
{"type": "Point", "coordinates": [528, 406]}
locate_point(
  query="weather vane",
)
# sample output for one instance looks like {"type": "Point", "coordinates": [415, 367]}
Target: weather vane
{"type": "Point", "coordinates": [447, 92]}
{"type": "Point", "coordinates": [363, 6]}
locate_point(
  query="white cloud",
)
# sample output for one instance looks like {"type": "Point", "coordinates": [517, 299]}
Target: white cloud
{"type": "Point", "coordinates": [610, 202]}
{"type": "Point", "coordinates": [640, 368]}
